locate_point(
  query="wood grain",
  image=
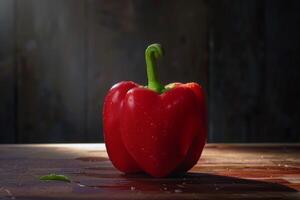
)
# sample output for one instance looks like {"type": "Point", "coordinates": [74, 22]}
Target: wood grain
{"type": "Point", "coordinates": [225, 171]}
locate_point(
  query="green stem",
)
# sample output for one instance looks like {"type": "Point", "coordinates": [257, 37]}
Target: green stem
{"type": "Point", "coordinates": [152, 54]}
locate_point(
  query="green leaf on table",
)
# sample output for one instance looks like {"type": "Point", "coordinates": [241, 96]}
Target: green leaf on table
{"type": "Point", "coordinates": [55, 177]}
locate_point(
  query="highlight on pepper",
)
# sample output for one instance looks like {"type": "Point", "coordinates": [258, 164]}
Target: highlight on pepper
{"type": "Point", "coordinates": [157, 129]}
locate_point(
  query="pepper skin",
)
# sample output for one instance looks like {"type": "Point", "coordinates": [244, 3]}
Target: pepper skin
{"type": "Point", "coordinates": [160, 130]}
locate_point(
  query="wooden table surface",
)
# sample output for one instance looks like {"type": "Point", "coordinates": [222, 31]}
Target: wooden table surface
{"type": "Point", "coordinates": [225, 171]}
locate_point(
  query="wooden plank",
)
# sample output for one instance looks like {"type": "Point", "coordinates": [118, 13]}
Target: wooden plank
{"type": "Point", "coordinates": [118, 33]}
{"type": "Point", "coordinates": [252, 171]}
{"type": "Point", "coordinates": [236, 71]}
{"type": "Point", "coordinates": [254, 63]}
{"type": "Point", "coordinates": [282, 71]}
{"type": "Point", "coordinates": [7, 72]}
{"type": "Point", "coordinates": [51, 69]}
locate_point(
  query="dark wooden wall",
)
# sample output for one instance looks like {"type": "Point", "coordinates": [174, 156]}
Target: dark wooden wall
{"type": "Point", "coordinates": [254, 49]}
{"type": "Point", "coordinates": [7, 72]}
{"type": "Point", "coordinates": [59, 57]}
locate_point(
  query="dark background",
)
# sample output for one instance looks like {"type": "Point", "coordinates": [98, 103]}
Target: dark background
{"type": "Point", "coordinates": [58, 58]}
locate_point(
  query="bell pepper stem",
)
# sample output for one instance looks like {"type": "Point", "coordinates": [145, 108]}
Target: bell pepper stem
{"type": "Point", "coordinates": [152, 54]}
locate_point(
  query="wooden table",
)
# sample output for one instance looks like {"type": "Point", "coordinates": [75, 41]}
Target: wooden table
{"type": "Point", "coordinates": [225, 171]}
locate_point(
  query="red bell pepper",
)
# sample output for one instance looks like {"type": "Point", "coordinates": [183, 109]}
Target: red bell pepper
{"type": "Point", "coordinates": [157, 129]}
